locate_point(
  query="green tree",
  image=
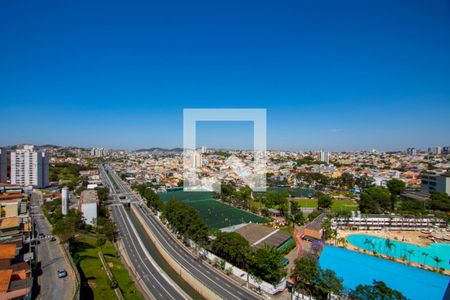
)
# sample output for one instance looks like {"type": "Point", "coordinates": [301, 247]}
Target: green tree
{"type": "Point", "coordinates": [396, 187]}
{"type": "Point", "coordinates": [306, 271]}
{"type": "Point", "coordinates": [296, 213]}
{"type": "Point", "coordinates": [364, 182]}
{"type": "Point", "coordinates": [439, 201]}
{"type": "Point", "coordinates": [378, 290]}
{"type": "Point", "coordinates": [65, 227]}
{"type": "Point", "coordinates": [107, 228]}
{"type": "Point", "coordinates": [186, 221]}
{"type": "Point", "coordinates": [103, 193]}
{"type": "Point", "coordinates": [151, 198]}
{"type": "Point", "coordinates": [328, 283]}
{"type": "Point", "coordinates": [244, 196]}
{"type": "Point", "coordinates": [278, 198]}
{"type": "Point", "coordinates": [346, 180]}
{"type": "Point", "coordinates": [324, 200]}
{"type": "Point", "coordinates": [227, 191]}
{"type": "Point", "coordinates": [437, 260]}
{"type": "Point", "coordinates": [316, 281]}
{"type": "Point", "coordinates": [267, 263]}
{"type": "Point", "coordinates": [232, 247]}
{"type": "Point", "coordinates": [375, 200]}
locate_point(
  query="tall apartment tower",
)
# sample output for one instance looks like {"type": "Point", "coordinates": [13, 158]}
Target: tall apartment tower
{"type": "Point", "coordinates": [3, 165]}
{"type": "Point", "coordinates": [325, 157]}
{"type": "Point", "coordinates": [65, 200]}
{"type": "Point", "coordinates": [29, 167]}
{"type": "Point", "coordinates": [411, 151]}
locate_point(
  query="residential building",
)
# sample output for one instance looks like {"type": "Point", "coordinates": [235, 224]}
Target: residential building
{"type": "Point", "coordinates": [88, 206]}
{"type": "Point", "coordinates": [3, 165]}
{"type": "Point", "coordinates": [16, 279]}
{"type": "Point", "coordinates": [435, 150]}
{"type": "Point", "coordinates": [434, 182]}
{"type": "Point", "coordinates": [446, 150]}
{"type": "Point", "coordinates": [12, 204]}
{"type": "Point", "coordinates": [99, 152]}
{"type": "Point", "coordinates": [65, 200]}
{"type": "Point", "coordinates": [411, 151]}
{"type": "Point", "coordinates": [325, 157]}
{"type": "Point", "coordinates": [29, 167]}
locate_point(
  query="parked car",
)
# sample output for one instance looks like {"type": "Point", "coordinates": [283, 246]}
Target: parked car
{"type": "Point", "coordinates": [52, 239]}
{"type": "Point", "coordinates": [62, 273]}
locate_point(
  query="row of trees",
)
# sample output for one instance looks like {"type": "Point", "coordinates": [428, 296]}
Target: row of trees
{"type": "Point", "coordinates": [266, 263]}
{"type": "Point", "coordinates": [186, 221]}
{"type": "Point", "coordinates": [344, 182]}
{"type": "Point", "coordinates": [151, 198]}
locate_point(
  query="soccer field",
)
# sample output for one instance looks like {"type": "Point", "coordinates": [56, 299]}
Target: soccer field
{"type": "Point", "coordinates": [338, 205]}
{"type": "Point", "coordinates": [215, 213]}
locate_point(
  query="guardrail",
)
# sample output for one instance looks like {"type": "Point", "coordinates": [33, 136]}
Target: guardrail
{"type": "Point", "coordinates": [77, 284]}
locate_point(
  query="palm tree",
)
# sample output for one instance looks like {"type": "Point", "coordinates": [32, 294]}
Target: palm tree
{"type": "Point", "coordinates": [342, 241]}
{"type": "Point", "coordinates": [437, 260]}
{"type": "Point", "coordinates": [410, 251]}
{"type": "Point", "coordinates": [370, 243]}
{"type": "Point", "coordinates": [389, 245]}
{"type": "Point", "coordinates": [425, 255]}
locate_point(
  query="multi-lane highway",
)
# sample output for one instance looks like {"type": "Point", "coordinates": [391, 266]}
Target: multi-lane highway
{"type": "Point", "coordinates": [217, 282]}
{"type": "Point", "coordinates": [155, 282]}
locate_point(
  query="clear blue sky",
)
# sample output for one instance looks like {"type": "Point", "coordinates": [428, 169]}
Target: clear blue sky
{"type": "Point", "coordinates": [337, 75]}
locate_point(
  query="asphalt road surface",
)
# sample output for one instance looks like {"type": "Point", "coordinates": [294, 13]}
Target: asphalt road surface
{"type": "Point", "coordinates": [157, 284]}
{"type": "Point", "coordinates": [223, 286]}
{"type": "Point", "coordinates": [50, 255]}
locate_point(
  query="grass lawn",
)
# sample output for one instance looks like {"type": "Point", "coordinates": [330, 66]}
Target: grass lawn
{"type": "Point", "coordinates": [126, 284]}
{"type": "Point", "coordinates": [338, 205]}
{"type": "Point", "coordinates": [91, 270]}
{"type": "Point", "coordinates": [94, 275]}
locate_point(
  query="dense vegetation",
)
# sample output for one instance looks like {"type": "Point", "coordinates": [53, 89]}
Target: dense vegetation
{"type": "Point", "coordinates": [314, 280]}
{"type": "Point", "coordinates": [66, 172]}
{"type": "Point", "coordinates": [379, 290]}
{"type": "Point", "coordinates": [186, 221]}
{"type": "Point", "coordinates": [264, 264]}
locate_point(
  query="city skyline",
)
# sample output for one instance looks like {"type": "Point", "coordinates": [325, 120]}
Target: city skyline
{"type": "Point", "coordinates": [83, 78]}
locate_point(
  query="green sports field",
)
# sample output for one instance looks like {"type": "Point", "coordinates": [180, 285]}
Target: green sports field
{"type": "Point", "coordinates": [215, 213]}
{"type": "Point", "coordinates": [338, 205]}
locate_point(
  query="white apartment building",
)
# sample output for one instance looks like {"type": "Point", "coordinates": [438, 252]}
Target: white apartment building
{"type": "Point", "coordinates": [99, 152]}
{"type": "Point", "coordinates": [65, 198]}
{"type": "Point", "coordinates": [3, 165]}
{"type": "Point", "coordinates": [88, 206]}
{"type": "Point", "coordinates": [325, 157]}
{"type": "Point", "coordinates": [29, 167]}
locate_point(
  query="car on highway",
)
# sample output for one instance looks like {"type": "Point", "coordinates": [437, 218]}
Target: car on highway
{"type": "Point", "coordinates": [62, 273]}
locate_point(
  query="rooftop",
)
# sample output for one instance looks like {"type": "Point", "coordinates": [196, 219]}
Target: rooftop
{"type": "Point", "coordinates": [9, 222]}
{"type": "Point", "coordinates": [259, 235]}
{"type": "Point", "coordinates": [5, 278]}
{"type": "Point", "coordinates": [89, 196]}
{"type": "Point", "coordinates": [7, 251]}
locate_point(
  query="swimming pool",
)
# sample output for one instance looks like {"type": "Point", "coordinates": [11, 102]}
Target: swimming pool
{"type": "Point", "coordinates": [435, 255]}
{"type": "Point", "coordinates": [357, 268]}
